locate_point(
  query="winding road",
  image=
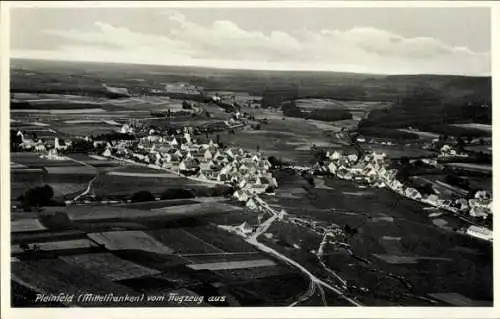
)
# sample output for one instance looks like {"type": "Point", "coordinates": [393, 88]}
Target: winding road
{"type": "Point", "coordinates": [315, 281]}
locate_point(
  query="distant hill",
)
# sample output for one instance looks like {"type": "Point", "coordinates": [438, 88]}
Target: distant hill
{"type": "Point", "coordinates": [257, 82]}
{"type": "Point", "coordinates": [435, 105]}
{"type": "Point", "coordinates": [421, 101]}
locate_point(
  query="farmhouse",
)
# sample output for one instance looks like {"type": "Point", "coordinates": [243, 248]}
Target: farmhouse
{"type": "Point", "coordinates": [53, 155]}
{"type": "Point", "coordinates": [241, 195]}
{"type": "Point", "coordinates": [251, 204]}
{"type": "Point", "coordinates": [207, 155]}
{"type": "Point", "coordinates": [174, 142]}
{"type": "Point", "coordinates": [244, 228]}
{"type": "Point", "coordinates": [27, 142]}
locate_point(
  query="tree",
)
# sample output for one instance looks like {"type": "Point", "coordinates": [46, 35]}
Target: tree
{"type": "Point", "coordinates": [270, 189]}
{"type": "Point", "coordinates": [14, 138]}
{"type": "Point", "coordinates": [309, 178]}
{"type": "Point", "coordinates": [186, 105]}
{"type": "Point", "coordinates": [142, 196]}
{"type": "Point", "coordinates": [275, 162]}
{"type": "Point", "coordinates": [223, 190]}
{"type": "Point", "coordinates": [403, 174]}
{"type": "Point", "coordinates": [460, 144]}
{"type": "Point", "coordinates": [320, 156]}
{"type": "Point", "coordinates": [291, 109]}
{"type": "Point", "coordinates": [405, 161]}
{"type": "Point", "coordinates": [37, 196]}
{"type": "Point", "coordinates": [426, 189]}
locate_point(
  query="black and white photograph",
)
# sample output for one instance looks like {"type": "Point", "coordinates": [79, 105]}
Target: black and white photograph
{"type": "Point", "coordinates": [249, 156]}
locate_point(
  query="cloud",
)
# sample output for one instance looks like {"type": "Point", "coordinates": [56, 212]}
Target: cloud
{"type": "Point", "coordinates": [225, 44]}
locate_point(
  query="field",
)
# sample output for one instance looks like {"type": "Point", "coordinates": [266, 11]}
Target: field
{"type": "Point", "coordinates": [63, 245]}
{"type": "Point", "coordinates": [398, 253]}
{"type": "Point", "coordinates": [117, 184]}
{"type": "Point", "coordinates": [289, 139]}
{"type": "Point", "coordinates": [168, 256]}
{"type": "Point", "coordinates": [109, 266]}
{"type": "Point", "coordinates": [398, 151]}
{"type": "Point", "coordinates": [358, 109]}
{"type": "Point", "coordinates": [129, 240]}
{"type": "Point", "coordinates": [64, 177]}
{"type": "Point", "coordinates": [377, 215]}
{"type": "Point", "coordinates": [26, 225]}
{"type": "Point", "coordinates": [477, 126]}
{"type": "Point", "coordinates": [234, 265]}
{"type": "Point", "coordinates": [55, 275]}
{"type": "Point", "coordinates": [86, 213]}
{"type": "Point", "coordinates": [131, 174]}
{"type": "Point", "coordinates": [159, 203]}
{"type": "Point", "coordinates": [473, 167]}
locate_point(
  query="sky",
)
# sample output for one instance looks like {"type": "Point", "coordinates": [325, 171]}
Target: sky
{"type": "Point", "coordinates": [362, 40]}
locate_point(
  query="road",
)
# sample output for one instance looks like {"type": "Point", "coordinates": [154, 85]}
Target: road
{"type": "Point", "coordinates": [89, 186]}
{"type": "Point", "coordinates": [315, 281]}
{"type": "Point", "coordinates": [253, 240]}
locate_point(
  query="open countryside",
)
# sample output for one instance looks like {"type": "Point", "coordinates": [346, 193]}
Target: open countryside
{"type": "Point", "coordinates": [270, 188]}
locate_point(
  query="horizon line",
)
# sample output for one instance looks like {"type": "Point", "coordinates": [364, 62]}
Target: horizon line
{"type": "Point", "coordinates": [251, 69]}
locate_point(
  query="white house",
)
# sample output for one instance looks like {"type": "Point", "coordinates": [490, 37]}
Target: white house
{"type": "Point", "coordinates": [481, 195]}
{"type": "Point", "coordinates": [332, 168]}
{"type": "Point", "coordinates": [245, 229]}
{"type": "Point", "coordinates": [58, 146]}
{"type": "Point", "coordinates": [107, 152]}
{"type": "Point", "coordinates": [480, 232]}
{"type": "Point", "coordinates": [231, 153]}
{"type": "Point", "coordinates": [39, 146]}
{"type": "Point", "coordinates": [154, 138]}
{"type": "Point", "coordinates": [178, 153]}
{"type": "Point", "coordinates": [26, 143]}
{"type": "Point", "coordinates": [53, 155]}
{"type": "Point", "coordinates": [413, 193]}
{"type": "Point", "coordinates": [205, 166]}
{"type": "Point", "coordinates": [201, 175]}
{"type": "Point", "coordinates": [352, 157]}
{"type": "Point", "coordinates": [242, 183]}
{"type": "Point", "coordinates": [251, 204]}
{"type": "Point", "coordinates": [207, 155]}
{"type": "Point", "coordinates": [241, 195]}
{"type": "Point", "coordinates": [335, 155]}
{"type": "Point", "coordinates": [187, 136]}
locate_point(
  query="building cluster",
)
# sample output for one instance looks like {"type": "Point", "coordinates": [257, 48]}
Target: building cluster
{"type": "Point", "coordinates": [350, 167]}
{"type": "Point", "coordinates": [373, 169]}
{"type": "Point", "coordinates": [448, 151]}
{"type": "Point", "coordinates": [52, 148]}
{"type": "Point", "coordinates": [247, 172]}
{"type": "Point", "coordinates": [183, 88]}
{"type": "Point", "coordinates": [480, 232]}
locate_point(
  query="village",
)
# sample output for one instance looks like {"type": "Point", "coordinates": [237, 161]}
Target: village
{"type": "Point", "coordinates": [374, 170]}
{"type": "Point", "coordinates": [249, 174]}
